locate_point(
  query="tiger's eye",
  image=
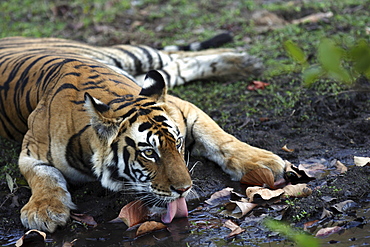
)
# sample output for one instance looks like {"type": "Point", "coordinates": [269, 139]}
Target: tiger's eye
{"type": "Point", "coordinates": [178, 142]}
{"type": "Point", "coordinates": [148, 152]}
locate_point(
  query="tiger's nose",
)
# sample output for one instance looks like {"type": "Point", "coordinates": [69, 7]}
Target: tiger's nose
{"type": "Point", "coordinates": [180, 191]}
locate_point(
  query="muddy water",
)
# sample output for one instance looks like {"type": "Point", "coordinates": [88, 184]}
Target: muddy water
{"type": "Point", "coordinates": [202, 228]}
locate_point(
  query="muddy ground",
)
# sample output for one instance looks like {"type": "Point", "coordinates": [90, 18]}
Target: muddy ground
{"type": "Point", "coordinates": [319, 128]}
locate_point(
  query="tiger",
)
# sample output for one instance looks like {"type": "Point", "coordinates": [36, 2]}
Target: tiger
{"type": "Point", "coordinates": [87, 113]}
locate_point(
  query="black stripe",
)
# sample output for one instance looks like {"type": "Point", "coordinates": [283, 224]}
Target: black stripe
{"type": "Point", "coordinates": [93, 76]}
{"type": "Point", "coordinates": [149, 104]}
{"type": "Point", "coordinates": [133, 118]}
{"type": "Point", "coordinates": [138, 65]}
{"type": "Point", "coordinates": [129, 113]}
{"type": "Point", "coordinates": [75, 155]}
{"type": "Point", "coordinates": [72, 73]}
{"type": "Point", "coordinates": [147, 54]}
{"type": "Point", "coordinates": [130, 142]}
{"type": "Point", "coordinates": [66, 86]}
{"type": "Point", "coordinates": [145, 126]}
{"type": "Point", "coordinates": [126, 158]}
{"type": "Point", "coordinates": [168, 77]}
{"type": "Point", "coordinates": [145, 111]}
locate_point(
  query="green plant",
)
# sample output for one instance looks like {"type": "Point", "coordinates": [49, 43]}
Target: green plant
{"type": "Point", "coordinates": [338, 62]}
{"type": "Point", "coordinates": [300, 238]}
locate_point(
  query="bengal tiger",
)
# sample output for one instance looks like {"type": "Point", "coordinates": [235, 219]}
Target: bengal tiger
{"type": "Point", "coordinates": [82, 114]}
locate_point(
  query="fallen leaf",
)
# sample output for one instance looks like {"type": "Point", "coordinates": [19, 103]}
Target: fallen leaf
{"type": "Point", "coordinates": [10, 182]}
{"type": "Point", "coordinates": [220, 197]}
{"type": "Point", "coordinates": [297, 190]}
{"type": "Point", "coordinates": [238, 209]}
{"type": "Point", "coordinates": [286, 149]}
{"type": "Point", "coordinates": [313, 17]}
{"type": "Point", "coordinates": [328, 198]}
{"type": "Point", "coordinates": [261, 195]}
{"type": "Point", "coordinates": [32, 238]}
{"type": "Point", "coordinates": [149, 226]}
{"type": "Point", "coordinates": [361, 161]}
{"type": "Point", "coordinates": [341, 168]}
{"type": "Point", "coordinates": [235, 229]}
{"type": "Point", "coordinates": [325, 232]}
{"type": "Point", "coordinates": [265, 21]}
{"type": "Point", "coordinates": [326, 213]}
{"type": "Point", "coordinates": [85, 219]}
{"type": "Point", "coordinates": [255, 85]}
{"type": "Point", "coordinates": [260, 177]}
{"type": "Point", "coordinates": [204, 224]}
{"type": "Point", "coordinates": [294, 175]}
{"type": "Point", "coordinates": [314, 170]}
{"type": "Point", "coordinates": [309, 224]}
{"type": "Point", "coordinates": [345, 206]}
{"type": "Point", "coordinates": [69, 244]}
{"type": "Point", "coordinates": [134, 213]}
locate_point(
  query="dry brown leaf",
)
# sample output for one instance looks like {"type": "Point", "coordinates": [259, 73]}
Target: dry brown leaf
{"type": "Point", "coordinates": [35, 237]}
{"type": "Point", "coordinates": [309, 224]}
{"type": "Point", "coordinates": [297, 190]}
{"type": "Point", "coordinates": [220, 197]}
{"type": "Point", "coordinates": [235, 229]}
{"type": "Point", "coordinates": [85, 219]}
{"type": "Point", "coordinates": [341, 168]}
{"type": "Point", "coordinates": [259, 177]}
{"type": "Point", "coordinates": [294, 175]}
{"type": "Point", "coordinates": [255, 85]}
{"type": "Point", "coordinates": [286, 149]}
{"type": "Point", "coordinates": [263, 195]}
{"type": "Point", "coordinates": [314, 170]}
{"type": "Point", "coordinates": [325, 232]}
{"type": "Point", "coordinates": [238, 209]}
{"type": "Point", "coordinates": [361, 161]}
{"type": "Point", "coordinates": [149, 226]}
{"type": "Point", "coordinates": [134, 213]}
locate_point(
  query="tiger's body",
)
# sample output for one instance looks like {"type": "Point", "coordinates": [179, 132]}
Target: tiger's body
{"type": "Point", "coordinates": [80, 117]}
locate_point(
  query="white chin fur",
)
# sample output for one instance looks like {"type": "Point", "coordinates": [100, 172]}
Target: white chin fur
{"type": "Point", "coordinates": [157, 210]}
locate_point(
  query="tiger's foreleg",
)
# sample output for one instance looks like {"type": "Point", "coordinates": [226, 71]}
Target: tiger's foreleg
{"type": "Point", "coordinates": [50, 203]}
{"type": "Point", "coordinates": [205, 138]}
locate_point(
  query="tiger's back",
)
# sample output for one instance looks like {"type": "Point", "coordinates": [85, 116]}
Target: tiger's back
{"type": "Point", "coordinates": [27, 77]}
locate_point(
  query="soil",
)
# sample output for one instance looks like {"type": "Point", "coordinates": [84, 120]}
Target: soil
{"type": "Point", "coordinates": [320, 129]}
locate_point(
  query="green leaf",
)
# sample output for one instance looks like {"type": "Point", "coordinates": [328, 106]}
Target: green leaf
{"type": "Point", "coordinates": [360, 55]}
{"type": "Point", "coordinates": [331, 57]}
{"type": "Point", "coordinates": [301, 239]}
{"type": "Point", "coordinates": [295, 52]}
{"type": "Point", "coordinates": [311, 74]}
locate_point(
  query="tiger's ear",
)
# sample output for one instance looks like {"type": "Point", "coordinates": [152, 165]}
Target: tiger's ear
{"type": "Point", "coordinates": [154, 86]}
{"type": "Point", "coordinates": [105, 127]}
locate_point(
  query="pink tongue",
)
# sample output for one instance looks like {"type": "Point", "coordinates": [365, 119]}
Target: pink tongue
{"type": "Point", "coordinates": [175, 209]}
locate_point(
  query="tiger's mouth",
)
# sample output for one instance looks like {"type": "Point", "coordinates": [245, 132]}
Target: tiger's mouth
{"type": "Point", "coordinates": [175, 209]}
{"type": "Point", "coordinates": [168, 209]}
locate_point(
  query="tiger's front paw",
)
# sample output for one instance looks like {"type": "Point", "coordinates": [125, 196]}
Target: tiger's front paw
{"type": "Point", "coordinates": [47, 212]}
{"type": "Point", "coordinates": [252, 158]}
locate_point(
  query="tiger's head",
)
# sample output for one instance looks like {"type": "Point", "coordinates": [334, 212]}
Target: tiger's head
{"type": "Point", "coordinates": [138, 145]}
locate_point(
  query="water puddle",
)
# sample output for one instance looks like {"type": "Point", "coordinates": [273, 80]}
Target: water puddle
{"type": "Point", "coordinates": [200, 229]}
